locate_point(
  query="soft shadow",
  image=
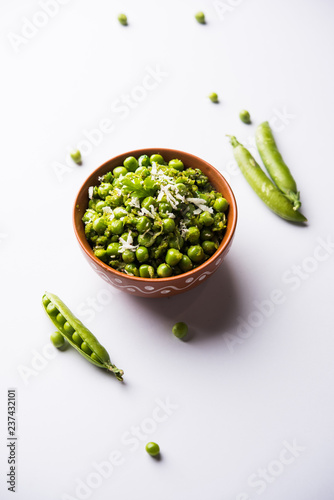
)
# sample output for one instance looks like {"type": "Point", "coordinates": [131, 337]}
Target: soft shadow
{"type": "Point", "coordinates": [209, 309]}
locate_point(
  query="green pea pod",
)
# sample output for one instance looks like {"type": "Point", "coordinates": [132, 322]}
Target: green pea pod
{"type": "Point", "coordinates": [68, 325]}
{"type": "Point", "coordinates": [262, 185]}
{"type": "Point", "coordinates": [274, 163]}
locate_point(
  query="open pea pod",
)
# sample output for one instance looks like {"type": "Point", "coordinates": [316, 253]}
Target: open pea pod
{"type": "Point", "coordinates": [77, 334]}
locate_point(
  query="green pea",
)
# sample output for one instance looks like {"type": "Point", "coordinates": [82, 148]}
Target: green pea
{"type": "Point", "coordinates": [182, 188]}
{"type": "Point", "coordinates": [185, 264]}
{"type": "Point", "coordinates": [95, 357]}
{"type": "Point", "coordinates": [213, 97]}
{"type": "Point", "coordinates": [195, 253]}
{"type": "Point", "coordinates": [164, 271]}
{"type": "Point", "coordinates": [104, 189]}
{"type": "Point", "coordinates": [157, 159]}
{"type": "Point", "coordinates": [145, 240]}
{"type": "Point", "coordinates": [131, 269]}
{"type": "Point", "coordinates": [101, 254]}
{"type": "Point", "coordinates": [200, 17]}
{"type": "Point", "coordinates": [116, 226]}
{"type": "Point", "coordinates": [120, 212]}
{"type": "Point", "coordinates": [245, 116]}
{"type": "Point", "coordinates": [220, 205]}
{"type": "Point", "coordinates": [51, 309]}
{"type": "Point", "coordinates": [143, 172]}
{"type": "Point", "coordinates": [143, 224]}
{"type": "Point", "coordinates": [146, 271]}
{"type": "Point", "coordinates": [209, 247]}
{"type": "Point", "coordinates": [144, 161]}
{"type": "Point", "coordinates": [113, 249]}
{"type": "Point", "coordinates": [85, 348]}
{"type": "Point", "coordinates": [177, 164]}
{"type": "Point", "coordinates": [76, 157]}
{"type": "Point", "coordinates": [118, 171]}
{"type": "Point", "coordinates": [60, 319]}
{"type": "Point", "coordinates": [173, 256]}
{"type": "Point", "coordinates": [152, 449]}
{"type": "Point", "coordinates": [100, 205]}
{"type": "Point", "coordinates": [57, 339]}
{"type": "Point", "coordinates": [142, 254]}
{"type": "Point", "coordinates": [168, 225]}
{"type": "Point", "coordinates": [128, 256]}
{"type": "Point", "coordinates": [123, 19]}
{"type": "Point", "coordinates": [180, 330]}
{"type": "Point", "coordinates": [147, 202]}
{"type": "Point", "coordinates": [45, 300]}
{"type": "Point", "coordinates": [68, 328]}
{"type": "Point", "coordinates": [193, 234]}
{"type": "Point", "coordinates": [76, 338]}
{"type": "Point", "coordinates": [206, 219]}
{"type": "Point", "coordinates": [206, 234]}
{"type": "Point", "coordinates": [100, 225]}
{"type": "Point", "coordinates": [164, 209]}
{"type": "Point", "coordinates": [130, 163]}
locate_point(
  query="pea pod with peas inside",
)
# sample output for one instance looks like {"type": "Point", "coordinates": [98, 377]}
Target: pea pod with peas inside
{"type": "Point", "coordinates": [274, 163]}
{"type": "Point", "coordinates": [77, 334]}
{"type": "Point", "coordinates": [262, 185]}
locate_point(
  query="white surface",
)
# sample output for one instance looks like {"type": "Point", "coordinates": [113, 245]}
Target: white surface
{"type": "Point", "coordinates": [236, 405]}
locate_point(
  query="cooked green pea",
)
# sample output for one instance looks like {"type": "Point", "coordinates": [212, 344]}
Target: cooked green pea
{"type": "Point", "coordinates": [193, 234]}
{"type": "Point", "coordinates": [165, 209]}
{"type": "Point", "coordinates": [60, 319]}
{"type": "Point", "coordinates": [206, 219]}
{"type": "Point", "coordinates": [130, 163]}
{"type": "Point", "coordinates": [123, 19]}
{"type": "Point", "coordinates": [76, 338]}
{"type": "Point", "coordinates": [113, 249]}
{"type": "Point", "coordinates": [145, 240]}
{"type": "Point", "coordinates": [116, 226]}
{"type": "Point", "coordinates": [143, 172]}
{"type": "Point", "coordinates": [209, 247]}
{"type": "Point", "coordinates": [144, 161]}
{"type": "Point", "coordinates": [182, 188]}
{"type": "Point", "coordinates": [164, 271]}
{"type": "Point", "coordinates": [143, 224]}
{"type": "Point", "coordinates": [244, 116]}
{"type": "Point", "coordinates": [142, 254]}
{"type": "Point", "coordinates": [100, 225]}
{"type": "Point", "coordinates": [177, 164]}
{"type": "Point", "coordinates": [148, 201]}
{"type": "Point", "coordinates": [206, 234]}
{"type": "Point", "coordinates": [120, 212]}
{"type": "Point", "coordinates": [152, 449]}
{"type": "Point", "coordinates": [131, 269]}
{"type": "Point", "coordinates": [173, 256]}
{"type": "Point", "coordinates": [213, 97]}
{"type": "Point", "coordinates": [68, 328]}
{"type": "Point", "coordinates": [104, 189]}
{"type": "Point", "coordinates": [157, 159]}
{"type": "Point", "coordinates": [76, 156]}
{"type": "Point", "coordinates": [51, 309]}
{"type": "Point", "coordinates": [200, 17]}
{"type": "Point", "coordinates": [118, 171]}
{"type": "Point", "coordinates": [100, 205]}
{"type": "Point", "coordinates": [185, 264]}
{"type": "Point", "coordinates": [168, 225]}
{"type": "Point", "coordinates": [195, 253]}
{"type": "Point", "coordinates": [85, 348]}
{"type": "Point", "coordinates": [128, 256]}
{"type": "Point", "coordinates": [220, 205]}
{"type": "Point", "coordinates": [146, 271]}
{"type": "Point", "coordinates": [180, 330]}
{"type": "Point", "coordinates": [101, 254]}
{"type": "Point", "coordinates": [57, 339]}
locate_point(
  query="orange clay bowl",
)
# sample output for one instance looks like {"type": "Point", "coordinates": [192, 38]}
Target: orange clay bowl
{"type": "Point", "coordinates": [157, 287]}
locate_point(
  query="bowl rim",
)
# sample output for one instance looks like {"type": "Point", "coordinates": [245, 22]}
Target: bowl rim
{"type": "Point", "coordinates": [225, 243]}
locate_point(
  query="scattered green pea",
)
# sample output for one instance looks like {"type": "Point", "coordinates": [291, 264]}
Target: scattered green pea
{"type": "Point", "coordinates": [185, 264]}
{"type": "Point", "coordinates": [144, 161]}
{"type": "Point", "coordinates": [157, 159]}
{"type": "Point", "coordinates": [177, 164]}
{"type": "Point", "coordinates": [168, 225]}
{"type": "Point", "coordinates": [152, 449]}
{"type": "Point", "coordinates": [142, 254]}
{"type": "Point", "coordinates": [196, 253]}
{"type": "Point", "coordinates": [245, 116]}
{"type": "Point", "coordinates": [164, 271]}
{"type": "Point", "coordinates": [213, 97]}
{"type": "Point", "coordinates": [130, 163]}
{"type": "Point", "coordinates": [119, 171]}
{"type": "Point", "coordinates": [123, 19]}
{"type": "Point", "coordinates": [209, 247]}
{"type": "Point", "coordinates": [57, 339]}
{"type": "Point", "coordinates": [200, 17]}
{"type": "Point", "coordinates": [173, 256]}
{"type": "Point", "coordinates": [220, 205]}
{"type": "Point", "coordinates": [76, 157]}
{"type": "Point", "coordinates": [146, 271]}
{"type": "Point", "coordinates": [180, 330]}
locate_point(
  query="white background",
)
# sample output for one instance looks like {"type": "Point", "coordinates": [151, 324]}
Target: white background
{"type": "Point", "coordinates": [236, 401]}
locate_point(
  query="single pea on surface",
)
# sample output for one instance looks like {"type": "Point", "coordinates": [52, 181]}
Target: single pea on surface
{"type": "Point", "coordinates": [152, 449]}
{"type": "Point", "coordinates": [213, 97]}
{"type": "Point", "coordinates": [57, 339]}
{"type": "Point", "coordinates": [123, 19]}
{"type": "Point", "coordinates": [244, 116]}
{"type": "Point", "coordinates": [200, 17]}
{"type": "Point", "coordinates": [76, 157]}
{"type": "Point", "coordinates": [180, 330]}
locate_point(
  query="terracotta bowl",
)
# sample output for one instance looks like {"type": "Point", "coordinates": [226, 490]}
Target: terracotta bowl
{"type": "Point", "coordinates": [157, 287]}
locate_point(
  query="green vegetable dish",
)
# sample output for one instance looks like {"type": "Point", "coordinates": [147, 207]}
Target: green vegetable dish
{"type": "Point", "coordinates": [152, 219]}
